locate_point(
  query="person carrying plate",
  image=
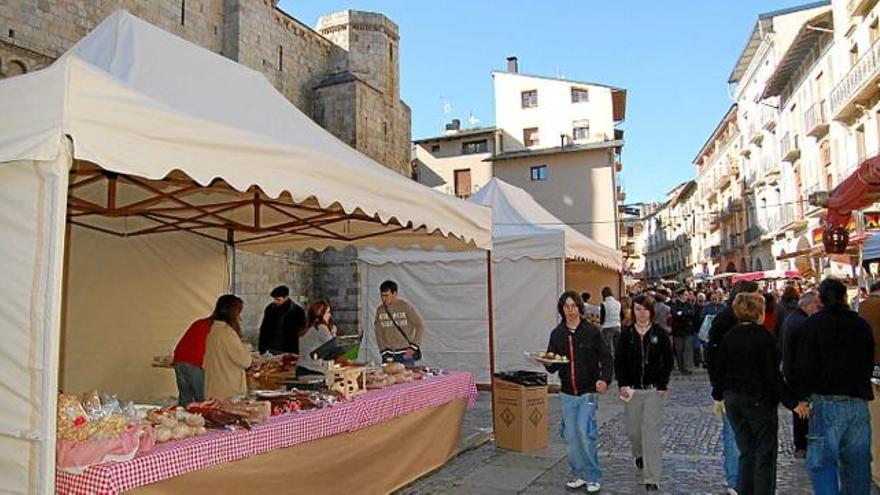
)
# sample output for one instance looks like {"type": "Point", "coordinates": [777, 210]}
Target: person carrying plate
{"type": "Point", "coordinates": [585, 376]}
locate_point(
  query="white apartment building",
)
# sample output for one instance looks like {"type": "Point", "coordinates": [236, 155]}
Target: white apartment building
{"type": "Point", "coordinates": [802, 85]}
{"type": "Point", "coordinates": [768, 197]}
{"type": "Point", "coordinates": [558, 140]}
{"type": "Point", "coordinates": [456, 162]}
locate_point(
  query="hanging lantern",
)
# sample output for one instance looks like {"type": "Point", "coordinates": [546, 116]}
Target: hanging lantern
{"type": "Point", "coordinates": [835, 239]}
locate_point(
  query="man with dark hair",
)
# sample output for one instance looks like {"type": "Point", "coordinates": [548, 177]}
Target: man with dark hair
{"type": "Point", "coordinates": [721, 324]}
{"type": "Point", "coordinates": [584, 376]}
{"type": "Point", "coordinates": [683, 330]}
{"type": "Point", "coordinates": [283, 321]}
{"type": "Point", "coordinates": [399, 327]}
{"type": "Point", "coordinates": [869, 309]}
{"type": "Point", "coordinates": [833, 367]}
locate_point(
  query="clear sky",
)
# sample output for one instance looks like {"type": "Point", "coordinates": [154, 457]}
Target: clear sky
{"type": "Point", "coordinates": [673, 57]}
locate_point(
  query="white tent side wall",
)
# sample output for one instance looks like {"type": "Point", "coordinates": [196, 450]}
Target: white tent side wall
{"type": "Point", "coordinates": [129, 299]}
{"type": "Point", "coordinates": [451, 294]}
{"type": "Point", "coordinates": [33, 201]}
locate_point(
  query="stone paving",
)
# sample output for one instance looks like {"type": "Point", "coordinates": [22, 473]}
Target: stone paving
{"type": "Point", "coordinates": [691, 452]}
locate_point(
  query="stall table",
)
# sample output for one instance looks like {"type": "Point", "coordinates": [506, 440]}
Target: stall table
{"type": "Point", "coordinates": [335, 449]}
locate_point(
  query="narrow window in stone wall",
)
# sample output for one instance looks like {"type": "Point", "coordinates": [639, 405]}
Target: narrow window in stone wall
{"type": "Point", "coordinates": [280, 58]}
{"type": "Point", "coordinates": [391, 52]}
{"type": "Point", "coordinates": [183, 12]}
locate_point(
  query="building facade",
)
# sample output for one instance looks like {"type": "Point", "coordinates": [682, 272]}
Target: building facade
{"type": "Point", "coordinates": [458, 162]}
{"type": "Point", "coordinates": [556, 138]}
{"type": "Point", "coordinates": [344, 74]}
{"type": "Point", "coordinates": [669, 230]}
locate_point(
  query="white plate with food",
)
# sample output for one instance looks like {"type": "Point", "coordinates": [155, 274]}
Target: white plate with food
{"type": "Point", "coordinates": [271, 394]}
{"type": "Point", "coordinates": [545, 357]}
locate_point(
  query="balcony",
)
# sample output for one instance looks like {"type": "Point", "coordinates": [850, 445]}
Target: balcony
{"type": "Point", "coordinates": [756, 135]}
{"type": "Point", "coordinates": [816, 120]}
{"type": "Point", "coordinates": [768, 118]}
{"type": "Point", "coordinates": [712, 252]}
{"type": "Point", "coordinates": [789, 147]}
{"type": "Point", "coordinates": [859, 7]}
{"type": "Point", "coordinates": [730, 209]}
{"type": "Point", "coordinates": [755, 233]}
{"type": "Point", "coordinates": [855, 86]}
{"type": "Point", "coordinates": [744, 148]}
{"type": "Point", "coordinates": [809, 192]}
{"type": "Point", "coordinates": [730, 244]}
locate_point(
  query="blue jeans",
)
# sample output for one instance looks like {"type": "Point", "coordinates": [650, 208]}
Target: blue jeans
{"type": "Point", "coordinates": [580, 431]}
{"type": "Point", "coordinates": [190, 383]}
{"type": "Point", "coordinates": [731, 453]}
{"type": "Point", "coordinates": [839, 445]}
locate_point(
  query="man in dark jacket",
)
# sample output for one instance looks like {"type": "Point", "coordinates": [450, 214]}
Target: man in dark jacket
{"type": "Point", "coordinates": [683, 317]}
{"type": "Point", "coordinates": [587, 373]}
{"type": "Point", "coordinates": [833, 366]}
{"type": "Point", "coordinates": [721, 324]}
{"type": "Point", "coordinates": [792, 333]}
{"type": "Point", "coordinates": [283, 321]}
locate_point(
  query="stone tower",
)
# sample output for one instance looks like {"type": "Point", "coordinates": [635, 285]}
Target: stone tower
{"type": "Point", "coordinates": [366, 71]}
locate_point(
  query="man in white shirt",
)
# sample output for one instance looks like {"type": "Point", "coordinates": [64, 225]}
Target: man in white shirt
{"type": "Point", "coordinates": [609, 319]}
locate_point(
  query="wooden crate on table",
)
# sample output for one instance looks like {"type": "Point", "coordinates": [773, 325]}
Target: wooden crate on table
{"type": "Point", "coordinates": [347, 380]}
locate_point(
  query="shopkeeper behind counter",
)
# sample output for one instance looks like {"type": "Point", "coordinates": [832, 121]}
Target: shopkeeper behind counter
{"type": "Point", "coordinates": [226, 359]}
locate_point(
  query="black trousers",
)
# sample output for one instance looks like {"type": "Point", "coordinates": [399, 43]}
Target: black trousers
{"type": "Point", "coordinates": [756, 426]}
{"type": "Point", "coordinates": [800, 428]}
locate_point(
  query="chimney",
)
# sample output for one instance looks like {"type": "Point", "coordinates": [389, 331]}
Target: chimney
{"type": "Point", "coordinates": [512, 65]}
{"type": "Point", "coordinates": [453, 127]}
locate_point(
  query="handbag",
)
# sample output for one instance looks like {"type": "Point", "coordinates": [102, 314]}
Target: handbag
{"type": "Point", "coordinates": [705, 327]}
{"type": "Point", "coordinates": [389, 354]}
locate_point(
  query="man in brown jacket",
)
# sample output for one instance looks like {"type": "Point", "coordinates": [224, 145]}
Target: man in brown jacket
{"type": "Point", "coordinates": [399, 327]}
{"type": "Point", "coordinates": [869, 309]}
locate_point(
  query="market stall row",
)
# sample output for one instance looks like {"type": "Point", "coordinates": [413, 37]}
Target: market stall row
{"type": "Point", "coordinates": [216, 448]}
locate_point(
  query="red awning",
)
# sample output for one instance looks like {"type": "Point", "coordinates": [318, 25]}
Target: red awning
{"type": "Point", "coordinates": [859, 190]}
{"type": "Point", "coordinates": [767, 275]}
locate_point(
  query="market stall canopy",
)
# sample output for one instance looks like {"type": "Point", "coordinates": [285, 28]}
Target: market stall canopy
{"type": "Point", "coordinates": [170, 136]}
{"type": "Point", "coordinates": [765, 275]}
{"type": "Point", "coordinates": [523, 228]}
{"type": "Point", "coordinates": [871, 248]}
{"type": "Point", "coordinates": [860, 189]}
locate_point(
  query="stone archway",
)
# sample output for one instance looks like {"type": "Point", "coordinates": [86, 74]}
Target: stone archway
{"type": "Point", "coordinates": [731, 267]}
{"type": "Point", "coordinates": [759, 266]}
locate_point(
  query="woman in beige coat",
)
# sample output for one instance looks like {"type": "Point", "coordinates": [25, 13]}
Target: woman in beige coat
{"type": "Point", "coordinates": [225, 357]}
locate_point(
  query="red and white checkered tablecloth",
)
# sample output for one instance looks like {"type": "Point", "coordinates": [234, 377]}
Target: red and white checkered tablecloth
{"type": "Point", "coordinates": [218, 447]}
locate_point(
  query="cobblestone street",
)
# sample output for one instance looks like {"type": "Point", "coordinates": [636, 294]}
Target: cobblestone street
{"type": "Point", "coordinates": [691, 452]}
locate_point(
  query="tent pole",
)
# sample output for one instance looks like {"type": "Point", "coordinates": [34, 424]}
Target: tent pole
{"type": "Point", "coordinates": [491, 315]}
{"type": "Point", "coordinates": [230, 243]}
{"type": "Point", "coordinates": [491, 332]}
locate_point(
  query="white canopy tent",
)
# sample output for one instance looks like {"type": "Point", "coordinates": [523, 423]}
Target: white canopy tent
{"type": "Point", "coordinates": [126, 168]}
{"type": "Point", "coordinates": [530, 268]}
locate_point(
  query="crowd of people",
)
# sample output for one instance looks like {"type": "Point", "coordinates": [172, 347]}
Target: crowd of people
{"type": "Point", "coordinates": [210, 360]}
{"type": "Point", "coordinates": [805, 347]}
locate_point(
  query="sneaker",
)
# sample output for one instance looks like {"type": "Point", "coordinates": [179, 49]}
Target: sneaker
{"type": "Point", "coordinates": [731, 491]}
{"type": "Point", "coordinates": [652, 487]}
{"type": "Point", "coordinates": [576, 483]}
{"type": "Point", "coordinates": [639, 463]}
{"type": "Point", "coordinates": [593, 487]}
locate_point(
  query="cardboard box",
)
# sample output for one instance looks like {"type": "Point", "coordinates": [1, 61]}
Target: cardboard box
{"type": "Point", "coordinates": [520, 416]}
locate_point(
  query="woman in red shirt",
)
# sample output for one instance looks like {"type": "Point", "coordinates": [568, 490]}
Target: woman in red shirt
{"type": "Point", "coordinates": [189, 356]}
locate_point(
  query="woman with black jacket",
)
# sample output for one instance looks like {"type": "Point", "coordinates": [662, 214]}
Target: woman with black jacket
{"type": "Point", "coordinates": [750, 383]}
{"type": "Point", "coordinates": [642, 362]}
